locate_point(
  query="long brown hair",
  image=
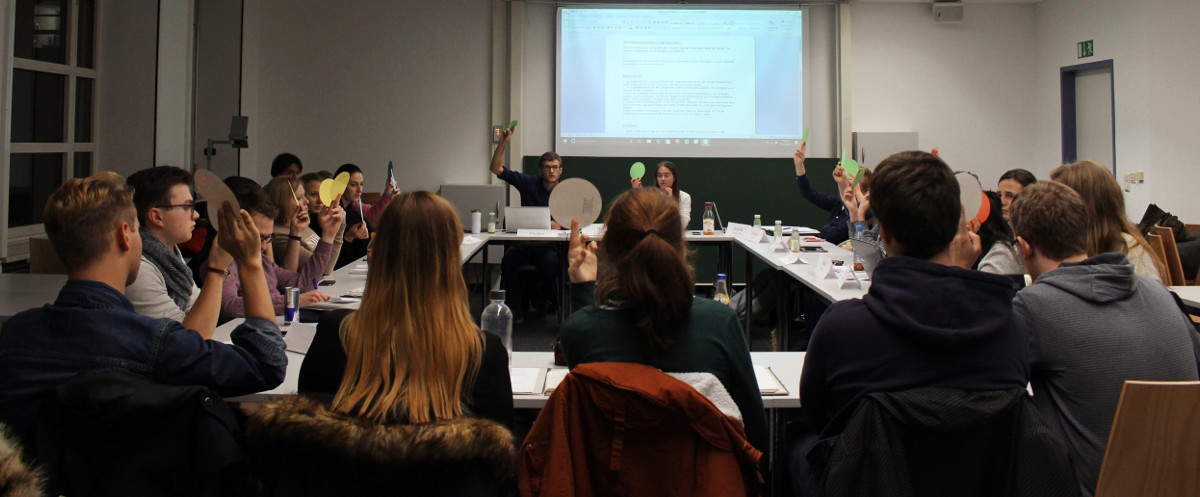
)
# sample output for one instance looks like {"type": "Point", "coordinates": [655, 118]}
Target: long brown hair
{"type": "Point", "coordinates": [674, 177]}
{"type": "Point", "coordinates": [412, 349]}
{"type": "Point", "coordinates": [1106, 210]}
{"type": "Point", "coordinates": [644, 245]}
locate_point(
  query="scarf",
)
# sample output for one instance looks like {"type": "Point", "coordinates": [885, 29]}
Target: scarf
{"type": "Point", "coordinates": [175, 273]}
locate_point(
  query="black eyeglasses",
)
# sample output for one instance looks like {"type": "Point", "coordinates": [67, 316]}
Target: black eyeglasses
{"type": "Point", "coordinates": [551, 168]}
{"type": "Point", "coordinates": [264, 238]}
{"type": "Point", "coordinates": [186, 207]}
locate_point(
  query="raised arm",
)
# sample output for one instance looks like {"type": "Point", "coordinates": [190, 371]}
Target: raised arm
{"type": "Point", "coordinates": [202, 317]}
{"type": "Point", "coordinates": [497, 165]}
{"type": "Point", "coordinates": [240, 238]}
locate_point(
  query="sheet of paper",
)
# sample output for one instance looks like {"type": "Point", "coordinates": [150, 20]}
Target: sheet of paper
{"type": "Point", "coordinates": [524, 380]}
{"type": "Point", "coordinates": [359, 272]}
{"type": "Point", "coordinates": [468, 240]}
{"type": "Point", "coordinates": [594, 230]}
{"type": "Point", "coordinates": [745, 232]}
{"type": "Point", "coordinates": [768, 384]}
{"type": "Point", "coordinates": [356, 293]}
{"type": "Point", "coordinates": [539, 233]}
{"type": "Point", "coordinates": [553, 378]}
{"type": "Point", "coordinates": [299, 336]}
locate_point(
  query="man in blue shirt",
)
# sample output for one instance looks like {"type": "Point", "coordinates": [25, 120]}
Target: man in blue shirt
{"type": "Point", "coordinates": [535, 192]}
{"type": "Point", "coordinates": [92, 326]}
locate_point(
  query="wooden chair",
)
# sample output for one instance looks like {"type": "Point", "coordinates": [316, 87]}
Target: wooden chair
{"type": "Point", "coordinates": [1154, 447]}
{"type": "Point", "coordinates": [1156, 244]}
{"type": "Point", "coordinates": [1171, 256]}
{"type": "Point", "coordinates": [371, 197]}
{"type": "Point", "coordinates": [43, 259]}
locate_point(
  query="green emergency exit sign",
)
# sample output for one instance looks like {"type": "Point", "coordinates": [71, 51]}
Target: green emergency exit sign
{"type": "Point", "coordinates": [1086, 49]}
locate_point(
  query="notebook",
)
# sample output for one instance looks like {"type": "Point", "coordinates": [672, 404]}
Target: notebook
{"type": "Point", "coordinates": [530, 218]}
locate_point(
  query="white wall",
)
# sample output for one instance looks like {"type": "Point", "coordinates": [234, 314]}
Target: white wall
{"type": "Point", "coordinates": [173, 99]}
{"type": "Point", "coordinates": [965, 87]}
{"type": "Point", "coordinates": [1155, 71]}
{"type": "Point", "coordinates": [372, 81]}
{"type": "Point", "coordinates": [127, 37]}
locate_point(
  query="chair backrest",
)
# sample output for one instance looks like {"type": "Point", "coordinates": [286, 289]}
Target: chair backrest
{"type": "Point", "coordinates": [300, 447]}
{"type": "Point", "coordinates": [943, 442]}
{"type": "Point", "coordinates": [43, 259]}
{"type": "Point", "coordinates": [1154, 447]}
{"type": "Point", "coordinates": [629, 429]}
{"type": "Point", "coordinates": [1156, 245]}
{"type": "Point", "coordinates": [1171, 256]}
{"type": "Point", "coordinates": [371, 197]}
{"type": "Point", "coordinates": [116, 433]}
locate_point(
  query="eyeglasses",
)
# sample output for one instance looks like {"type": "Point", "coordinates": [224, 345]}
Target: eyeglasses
{"type": "Point", "coordinates": [186, 207]}
{"type": "Point", "coordinates": [264, 238]}
{"type": "Point", "coordinates": [552, 168]}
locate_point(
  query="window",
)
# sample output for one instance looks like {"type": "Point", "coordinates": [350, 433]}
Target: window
{"type": "Point", "coordinates": [53, 79]}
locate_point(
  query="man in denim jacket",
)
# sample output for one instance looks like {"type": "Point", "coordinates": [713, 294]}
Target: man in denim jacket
{"type": "Point", "coordinates": [93, 226]}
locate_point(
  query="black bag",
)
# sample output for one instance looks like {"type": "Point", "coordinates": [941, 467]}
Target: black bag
{"type": "Point", "coordinates": [1156, 216]}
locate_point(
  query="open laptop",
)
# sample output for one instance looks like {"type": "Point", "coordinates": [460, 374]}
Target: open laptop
{"type": "Point", "coordinates": [529, 218]}
{"type": "Point", "coordinates": [869, 252]}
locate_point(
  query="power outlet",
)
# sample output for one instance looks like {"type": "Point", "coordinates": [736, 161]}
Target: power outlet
{"type": "Point", "coordinates": [496, 131]}
{"type": "Point", "coordinates": [1141, 176]}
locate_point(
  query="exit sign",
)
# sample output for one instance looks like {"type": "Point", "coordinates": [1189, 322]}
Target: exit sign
{"type": "Point", "coordinates": [1086, 49]}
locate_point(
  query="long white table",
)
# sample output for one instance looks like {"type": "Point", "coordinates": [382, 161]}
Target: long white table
{"type": "Point", "coordinates": [19, 292]}
{"type": "Point", "coordinates": [1190, 295]}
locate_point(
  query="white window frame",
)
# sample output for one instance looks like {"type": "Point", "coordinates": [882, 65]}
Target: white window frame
{"type": "Point", "coordinates": [14, 240]}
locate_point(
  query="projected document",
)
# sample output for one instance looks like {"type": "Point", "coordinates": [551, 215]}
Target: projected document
{"type": "Point", "coordinates": [679, 86]}
{"type": "Point", "coordinates": [679, 82]}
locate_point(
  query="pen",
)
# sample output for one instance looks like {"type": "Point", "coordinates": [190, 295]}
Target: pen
{"type": "Point", "coordinates": [314, 283]}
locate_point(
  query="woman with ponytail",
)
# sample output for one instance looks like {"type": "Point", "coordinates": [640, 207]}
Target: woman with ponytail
{"type": "Point", "coordinates": [642, 309]}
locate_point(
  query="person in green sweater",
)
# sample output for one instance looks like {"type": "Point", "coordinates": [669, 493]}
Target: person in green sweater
{"type": "Point", "coordinates": [642, 308]}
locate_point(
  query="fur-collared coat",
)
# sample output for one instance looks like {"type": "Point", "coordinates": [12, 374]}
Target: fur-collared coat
{"type": "Point", "coordinates": [17, 478]}
{"type": "Point", "coordinates": [300, 447]}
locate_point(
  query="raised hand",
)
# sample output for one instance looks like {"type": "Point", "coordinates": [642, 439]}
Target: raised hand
{"type": "Point", "coordinates": [966, 246]}
{"type": "Point", "coordinates": [239, 236]}
{"type": "Point", "coordinates": [798, 158]}
{"type": "Point", "coordinates": [581, 256]}
{"type": "Point", "coordinates": [635, 182]}
{"type": "Point", "coordinates": [299, 220]}
{"type": "Point", "coordinates": [330, 219]}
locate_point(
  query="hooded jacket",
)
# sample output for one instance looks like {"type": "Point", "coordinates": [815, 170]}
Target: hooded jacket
{"type": "Point", "coordinates": [1093, 325]}
{"type": "Point", "coordinates": [921, 324]}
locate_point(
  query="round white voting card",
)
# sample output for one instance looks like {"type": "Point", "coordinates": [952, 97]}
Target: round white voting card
{"type": "Point", "coordinates": [971, 193]}
{"type": "Point", "coordinates": [214, 191]}
{"type": "Point", "coordinates": [575, 198]}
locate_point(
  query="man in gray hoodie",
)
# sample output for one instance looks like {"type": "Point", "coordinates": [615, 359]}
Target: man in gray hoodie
{"type": "Point", "coordinates": [1093, 323]}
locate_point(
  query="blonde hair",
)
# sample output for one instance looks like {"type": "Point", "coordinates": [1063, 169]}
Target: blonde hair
{"type": "Point", "coordinates": [412, 348]}
{"type": "Point", "coordinates": [282, 192]}
{"type": "Point", "coordinates": [82, 214]}
{"type": "Point", "coordinates": [1106, 210]}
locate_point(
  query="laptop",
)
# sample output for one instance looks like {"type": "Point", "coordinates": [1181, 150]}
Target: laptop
{"type": "Point", "coordinates": [869, 252]}
{"type": "Point", "coordinates": [527, 218]}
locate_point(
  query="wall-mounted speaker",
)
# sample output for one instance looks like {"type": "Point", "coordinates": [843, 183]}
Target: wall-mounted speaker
{"type": "Point", "coordinates": [947, 12]}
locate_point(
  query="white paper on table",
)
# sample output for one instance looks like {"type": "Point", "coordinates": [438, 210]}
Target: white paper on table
{"type": "Point", "coordinates": [594, 230]}
{"type": "Point", "coordinates": [524, 380]}
{"type": "Point", "coordinates": [779, 246]}
{"type": "Point", "coordinates": [768, 383]}
{"type": "Point", "coordinates": [360, 266]}
{"type": "Point", "coordinates": [846, 279]}
{"type": "Point", "coordinates": [553, 378]}
{"type": "Point", "coordinates": [824, 267]}
{"type": "Point", "coordinates": [299, 336]}
{"type": "Point", "coordinates": [335, 304]}
{"type": "Point", "coordinates": [538, 233]}
{"type": "Point", "coordinates": [745, 232]}
{"type": "Point", "coordinates": [470, 240]}
{"type": "Point", "coordinates": [355, 293]}
{"type": "Point", "coordinates": [358, 272]}
{"type": "Point", "coordinates": [794, 259]}
{"type": "Point", "coordinates": [862, 275]}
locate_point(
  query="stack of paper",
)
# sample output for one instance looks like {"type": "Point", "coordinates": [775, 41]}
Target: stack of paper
{"type": "Point", "coordinates": [768, 384]}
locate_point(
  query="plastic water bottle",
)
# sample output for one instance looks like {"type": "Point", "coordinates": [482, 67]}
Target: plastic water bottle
{"type": "Point", "coordinates": [710, 220]}
{"type": "Point", "coordinates": [757, 221]}
{"type": "Point", "coordinates": [721, 290]}
{"type": "Point", "coordinates": [491, 223]}
{"type": "Point", "coordinates": [778, 231]}
{"type": "Point", "coordinates": [858, 235]}
{"type": "Point", "coordinates": [497, 318]}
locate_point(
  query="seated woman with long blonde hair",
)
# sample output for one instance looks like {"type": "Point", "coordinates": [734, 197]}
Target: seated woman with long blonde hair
{"type": "Point", "coordinates": [1108, 228]}
{"type": "Point", "coordinates": [411, 353]}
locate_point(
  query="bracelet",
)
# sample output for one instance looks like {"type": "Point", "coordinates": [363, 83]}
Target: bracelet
{"type": "Point", "coordinates": [294, 237]}
{"type": "Point", "coordinates": [222, 272]}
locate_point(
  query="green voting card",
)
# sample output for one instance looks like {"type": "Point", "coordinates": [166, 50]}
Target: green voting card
{"type": "Point", "coordinates": [637, 171]}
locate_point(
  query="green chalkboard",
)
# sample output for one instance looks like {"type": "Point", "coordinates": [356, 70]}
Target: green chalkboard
{"type": "Point", "coordinates": [740, 188]}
